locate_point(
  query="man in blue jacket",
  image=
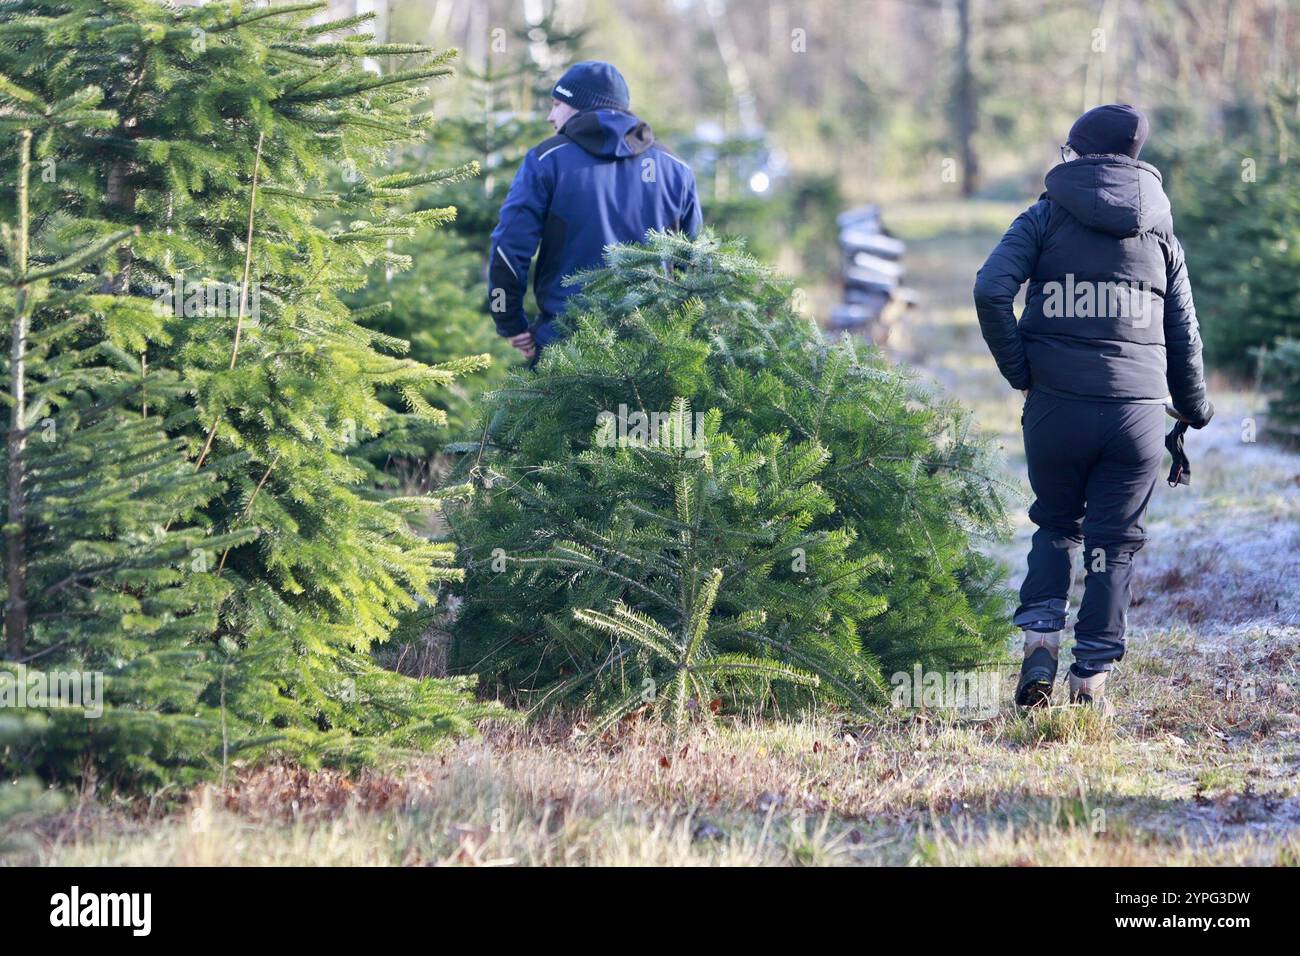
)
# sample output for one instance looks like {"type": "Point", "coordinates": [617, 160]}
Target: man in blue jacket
{"type": "Point", "coordinates": [1108, 336]}
{"type": "Point", "coordinates": [601, 180]}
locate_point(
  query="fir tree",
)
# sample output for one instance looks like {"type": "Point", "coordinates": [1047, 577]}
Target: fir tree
{"type": "Point", "coordinates": [97, 578]}
{"type": "Point", "coordinates": [1241, 196]}
{"type": "Point", "coordinates": [438, 307]}
{"type": "Point", "coordinates": [1281, 375]}
{"type": "Point", "coordinates": [835, 497]}
{"type": "Point", "coordinates": [1238, 214]}
{"type": "Point", "coordinates": [228, 127]}
{"type": "Point", "coordinates": [552, 41]}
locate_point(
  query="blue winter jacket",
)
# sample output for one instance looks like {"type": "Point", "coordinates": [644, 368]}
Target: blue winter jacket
{"type": "Point", "coordinates": [603, 179]}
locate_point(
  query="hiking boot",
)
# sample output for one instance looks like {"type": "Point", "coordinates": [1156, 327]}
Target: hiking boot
{"type": "Point", "coordinates": [1038, 672]}
{"type": "Point", "coordinates": [1090, 691]}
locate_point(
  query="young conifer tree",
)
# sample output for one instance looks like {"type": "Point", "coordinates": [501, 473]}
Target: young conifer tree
{"type": "Point", "coordinates": [825, 507]}
{"type": "Point", "coordinates": [1242, 195]}
{"type": "Point", "coordinates": [102, 614]}
{"type": "Point", "coordinates": [232, 128]}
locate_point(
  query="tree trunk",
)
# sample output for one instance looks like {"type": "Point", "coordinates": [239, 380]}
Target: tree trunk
{"type": "Point", "coordinates": [120, 195]}
{"type": "Point", "coordinates": [16, 519]}
{"type": "Point", "coordinates": [965, 102]}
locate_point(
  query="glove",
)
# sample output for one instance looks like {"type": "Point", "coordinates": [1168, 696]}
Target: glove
{"type": "Point", "coordinates": [1181, 471]}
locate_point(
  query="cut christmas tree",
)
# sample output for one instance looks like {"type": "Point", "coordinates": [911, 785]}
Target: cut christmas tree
{"type": "Point", "coordinates": [697, 444]}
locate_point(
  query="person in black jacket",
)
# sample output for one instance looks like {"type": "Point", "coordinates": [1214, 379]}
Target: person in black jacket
{"type": "Point", "coordinates": [1108, 337]}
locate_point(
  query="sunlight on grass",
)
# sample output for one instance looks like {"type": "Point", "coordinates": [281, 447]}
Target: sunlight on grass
{"type": "Point", "coordinates": [1060, 724]}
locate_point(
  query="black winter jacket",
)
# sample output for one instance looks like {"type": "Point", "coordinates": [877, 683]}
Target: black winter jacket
{"type": "Point", "coordinates": [1108, 314]}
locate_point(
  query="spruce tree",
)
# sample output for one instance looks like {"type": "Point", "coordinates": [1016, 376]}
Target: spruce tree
{"type": "Point", "coordinates": [819, 502]}
{"type": "Point", "coordinates": [100, 500]}
{"type": "Point", "coordinates": [1239, 218]}
{"type": "Point", "coordinates": [229, 127]}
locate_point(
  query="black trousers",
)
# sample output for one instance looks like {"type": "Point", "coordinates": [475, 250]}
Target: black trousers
{"type": "Point", "coordinates": [1093, 467]}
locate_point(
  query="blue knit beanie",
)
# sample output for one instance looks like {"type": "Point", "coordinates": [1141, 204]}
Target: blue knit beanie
{"type": "Point", "coordinates": [591, 85]}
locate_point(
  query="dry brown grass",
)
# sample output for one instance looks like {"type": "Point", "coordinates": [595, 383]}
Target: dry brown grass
{"type": "Point", "coordinates": [1186, 771]}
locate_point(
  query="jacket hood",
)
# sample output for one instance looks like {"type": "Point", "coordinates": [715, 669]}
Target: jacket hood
{"type": "Point", "coordinates": [609, 134]}
{"type": "Point", "coordinates": [1112, 194]}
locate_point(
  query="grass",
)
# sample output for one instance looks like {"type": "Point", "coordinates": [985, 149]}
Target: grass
{"type": "Point", "coordinates": [1180, 775]}
{"type": "Point", "coordinates": [1199, 764]}
{"type": "Point", "coordinates": [1186, 772]}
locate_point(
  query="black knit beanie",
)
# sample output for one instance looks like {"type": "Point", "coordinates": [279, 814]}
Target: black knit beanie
{"type": "Point", "coordinates": [1114, 128]}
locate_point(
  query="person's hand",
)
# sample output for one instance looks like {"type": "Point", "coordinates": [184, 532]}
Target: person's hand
{"type": "Point", "coordinates": [525, 344]}
{"type": "Point", "coordinates": [1197, 423]}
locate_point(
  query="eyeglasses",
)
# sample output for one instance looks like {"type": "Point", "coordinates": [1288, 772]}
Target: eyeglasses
{"type": "Point", "coordinates": [1066, 148]}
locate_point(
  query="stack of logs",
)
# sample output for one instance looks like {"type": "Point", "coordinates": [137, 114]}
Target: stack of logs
{"type": "Point", "coordinates": [872, 274]}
